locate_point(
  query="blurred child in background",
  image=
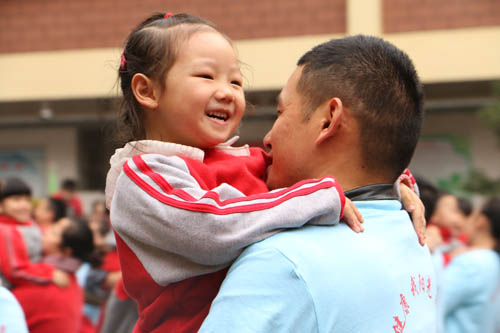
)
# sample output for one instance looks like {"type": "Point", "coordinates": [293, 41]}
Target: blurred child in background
{"type": "Point", "coordinates": [446, 229]}
{"type": "Point", "coordinates": [102, 274]}
{"type": "Point", "coordinates": [469, 282]}
{"type": "Point", "coordinates": [49, 308]}
{"type": "Point", "coordinates": [20, 240]}
{"type": "Point", "coordinates": [68, 194]}
{"type": "Point", "coordinates": [450, 216]}
{"type": "Point", "coordinates": [48, 211]}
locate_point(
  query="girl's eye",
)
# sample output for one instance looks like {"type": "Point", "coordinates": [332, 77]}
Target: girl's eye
{"type": "Point", "coordinates": [236, 82]}
{"type": "Point", "coordinates": [206, 76]}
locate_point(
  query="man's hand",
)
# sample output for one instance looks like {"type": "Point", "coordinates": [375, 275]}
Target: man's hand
{"type": "Point", "coordinates": [413, 205]}
{"type": "Point", "coordinates": [60, 278]}
{"type": "Point", "coordinates": [352, 216]}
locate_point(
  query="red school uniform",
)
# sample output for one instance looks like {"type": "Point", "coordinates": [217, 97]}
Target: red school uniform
{"type": "Point", "coordinates": [182, 306]}
{"type": "Point", "coordinates": [15, 264]}
{"type": "Point", "coordinates": [49, 308]}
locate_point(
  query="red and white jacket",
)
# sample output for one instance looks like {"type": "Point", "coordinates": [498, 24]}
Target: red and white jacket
{"type": "Point", "coordinates": [179, 213]}
{"type": "Point", "coordinates": [20, 247]}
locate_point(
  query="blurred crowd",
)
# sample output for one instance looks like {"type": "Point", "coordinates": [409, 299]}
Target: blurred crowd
{"type": "Point", "coordinates": [60, 272]}
{"type": "Point", "coordinates": [465, 244]}
{"type": "Point", "coordinates": [59, 268]}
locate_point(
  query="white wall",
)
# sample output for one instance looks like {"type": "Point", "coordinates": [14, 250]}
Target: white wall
{"type": "Point", "coordinates": [59, 147]}
{"type": "Point", "coordinates": [437, 156]}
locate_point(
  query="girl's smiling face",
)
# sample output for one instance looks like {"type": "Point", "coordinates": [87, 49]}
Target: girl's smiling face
{"type": "Point", "coordinates": [202, 101]}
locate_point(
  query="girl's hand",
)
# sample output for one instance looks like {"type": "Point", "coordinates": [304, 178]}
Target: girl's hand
{"type": "Point", "coordinates": [352, 216]}
{"type": "Point", "coordinates": [413, 205]}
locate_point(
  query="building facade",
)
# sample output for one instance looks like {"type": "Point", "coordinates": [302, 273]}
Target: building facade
{"type": "Point", "coordinates": [59, 60]}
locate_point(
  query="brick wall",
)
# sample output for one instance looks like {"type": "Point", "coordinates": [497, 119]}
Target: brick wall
{"type": "Point", "coordinates": [411, 15]}
{"type": "Point", "coordinates": [39, 25]}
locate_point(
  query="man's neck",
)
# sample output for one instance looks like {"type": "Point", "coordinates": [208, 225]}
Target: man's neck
{"type": "Point", "coordinates": [351, 176]}
{"type": "Point", "coordinates": [346, 164]}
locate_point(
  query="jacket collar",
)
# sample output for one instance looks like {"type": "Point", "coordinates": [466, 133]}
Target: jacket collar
{"type": "Point", "coordinates": [372, 192]}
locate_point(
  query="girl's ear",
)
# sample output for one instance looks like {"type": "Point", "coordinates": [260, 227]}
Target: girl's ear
{"type": "Point", "coordinates": [145, 91]}
{"type": "Point", "coordinates": [332, 114]}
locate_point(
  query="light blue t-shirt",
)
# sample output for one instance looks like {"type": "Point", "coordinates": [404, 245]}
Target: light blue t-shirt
{"type": "Point", "coordinates": [11, 314]}
{"type": "Point", "coordinates": [468, 285]}
{"type": "Point", "coordinates": [493, 325]}
{"type": "Point", "coordinates": [330, 279]}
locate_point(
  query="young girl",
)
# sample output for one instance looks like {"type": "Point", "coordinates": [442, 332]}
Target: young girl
{"type": "Point", "coordinates": [184, 203]}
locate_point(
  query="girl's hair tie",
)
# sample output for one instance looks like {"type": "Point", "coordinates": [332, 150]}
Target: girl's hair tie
{"type": "Point", "coordinates": [123, 62]}
{"type": "Point", "coordinates": [167, 15]}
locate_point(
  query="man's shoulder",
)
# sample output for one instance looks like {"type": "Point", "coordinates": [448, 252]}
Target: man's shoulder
{"type": "Point", "coordinates": [389, 239]}
{"type": "Point", "coordinates": [294, 240]}
{"type": "Point", "coordinates": [383, 220]}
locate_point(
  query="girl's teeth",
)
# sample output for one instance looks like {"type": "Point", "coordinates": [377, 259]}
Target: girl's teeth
{"type": "Point", "coordinates": [218, 115]}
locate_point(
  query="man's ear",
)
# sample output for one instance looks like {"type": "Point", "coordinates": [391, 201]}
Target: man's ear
{"type": "Point", "coordinates": [145, 91]}
{"type": "Point", "coordinates": [331, 119]}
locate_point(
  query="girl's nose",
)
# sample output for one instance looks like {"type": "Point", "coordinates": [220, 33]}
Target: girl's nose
{"type": "Point", "coordinates": [224, 93]}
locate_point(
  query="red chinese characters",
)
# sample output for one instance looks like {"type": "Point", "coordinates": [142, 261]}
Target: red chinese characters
{"type": "Point", "coordinates": [423, 289]}
{"type": "Point", "coordinates": [429, 287]}
{"type": "Point", "coordinates": [421, 283]}
{"type": "Point", "coordinates": [404, 305]}
{"type": "Point", "coordinates": [399, 326]}
{"type": "Point", "coordinates": [414, 290]}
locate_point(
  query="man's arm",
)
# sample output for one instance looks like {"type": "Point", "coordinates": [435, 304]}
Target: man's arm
{"type": "Point", "coordinates": [262, 292]}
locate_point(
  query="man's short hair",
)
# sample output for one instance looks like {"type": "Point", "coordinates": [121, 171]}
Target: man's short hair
{"type": "Point", "coordinates": [379, 83]}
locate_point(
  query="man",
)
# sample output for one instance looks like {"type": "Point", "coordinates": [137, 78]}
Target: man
{"type": "Point", "coordinates": [352, 108]}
